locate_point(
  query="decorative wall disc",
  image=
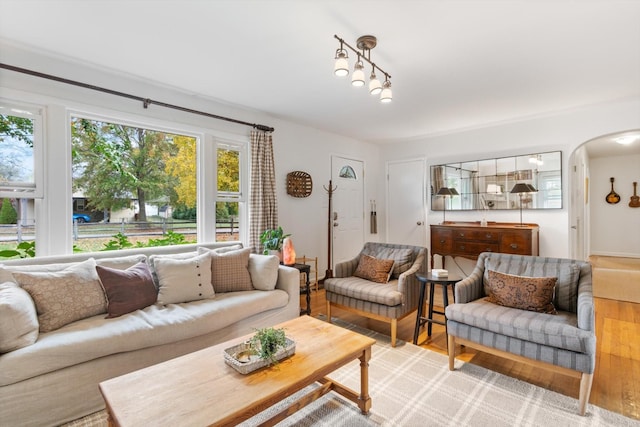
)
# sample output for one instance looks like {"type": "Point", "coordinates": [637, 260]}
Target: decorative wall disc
{"type": "Point", "coordinates": [299, 184]}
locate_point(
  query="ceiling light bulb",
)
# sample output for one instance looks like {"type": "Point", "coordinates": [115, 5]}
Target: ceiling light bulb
{"type": "Point", "coordinates": [627, 139]}
{"type": "Point", "coordinates": [386, 95]}
{"type": "Point", "coordinates": [374, 84]}
{"type": "Point", "coordinates": [341, 68]}
{"type": "Point", "coordinates": [358, 75]}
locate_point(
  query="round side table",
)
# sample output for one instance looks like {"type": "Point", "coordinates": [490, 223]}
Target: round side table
{"type": "Point", "coordinates": [432, 281]}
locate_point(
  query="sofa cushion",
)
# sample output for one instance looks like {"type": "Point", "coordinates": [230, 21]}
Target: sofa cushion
{"type": "Point", "coordinates": [365, 290]}
{"type": "Point", "coordinates": [525, 293]}
{"type": "Point", "coordinates": [567, 271]}
{"type": "Point", "coordinates": [184, 280]}
{"type": "Point", "coordinates": [156, 325]}
{"type": "Point", "coordinates": [559, 331]}
{"type": "Point", "coordinates": [264, 271]}
{"type": "Point", "coordinates": [121, 263]}
{"type": "Point", "coordinates": [127, 290]}
{"type": "Point", "coordinates": [230, 270]}
{"type": "Point", "coordinates": [374, 269]}
{"type": "Point", "coordinates": [403, 258]}
{"type": "Point", "coordinates": [64, 296]}
{"type": "Point", "coordinates": [152, 261]}
{"type": "Point", "coordinates": [18, 318]}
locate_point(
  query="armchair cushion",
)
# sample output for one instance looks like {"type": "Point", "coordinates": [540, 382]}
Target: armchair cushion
{"type": "Point", "coordinates": [526, 293]}
{"type": "Point", "coordinates": [374, 269]}
{"type": "Point", "coordinates": [366, 290]}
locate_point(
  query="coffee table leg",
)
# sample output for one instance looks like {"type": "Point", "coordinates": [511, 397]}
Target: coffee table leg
{"type": "Point", "coordinates": [364, 401]}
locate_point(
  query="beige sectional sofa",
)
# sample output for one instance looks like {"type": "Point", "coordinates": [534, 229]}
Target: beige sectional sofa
{"type": "Point", "coordinates": [51, 377]}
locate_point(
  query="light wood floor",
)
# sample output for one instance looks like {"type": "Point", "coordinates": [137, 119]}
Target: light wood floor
{"type": "Point", "coordinates": [616, 384]}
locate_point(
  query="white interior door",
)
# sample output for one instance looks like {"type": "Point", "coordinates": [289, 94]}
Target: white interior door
{"type": "Point", "coordinates": [406, 202]}
{"type": "Point", "coordinates": [347, 176]}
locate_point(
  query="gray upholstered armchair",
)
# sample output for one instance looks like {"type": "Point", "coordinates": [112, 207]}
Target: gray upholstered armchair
{"type": "Point", "coordinates": [564, 342]}
{"type": "Point", "coordinates": [387, 302]}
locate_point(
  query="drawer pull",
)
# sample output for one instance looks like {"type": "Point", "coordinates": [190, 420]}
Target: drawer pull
{"type": "Point", "coordinates": [442, 241]}
{"type": "Point", "coordinates": [488, 235]}
{"type": "Point", "coordinates": [462, 248]}
{"type": "Point", "coordinates": [461, 234]}
{"type": "Point", "coordinates": [514, 246]}
{"type": "Point", "coordinates": [488, 250]}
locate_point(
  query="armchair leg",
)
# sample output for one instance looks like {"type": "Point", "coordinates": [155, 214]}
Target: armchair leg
{"type": "Point", "coordinates": [394, 331]}
{"type": "Point", "coordinates": [328, 312]}
{"type": "Point", "coordinates": [585, 391]}
{"type": "Point", "coordinates": [451, 348]}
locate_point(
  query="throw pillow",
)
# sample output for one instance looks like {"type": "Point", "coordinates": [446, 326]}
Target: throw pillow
{"type": "Point", "coordinates": [264, 271]}
{"type": "Point", "coordinates": [376, 270]}
{"type": "Point", "coordinates": [62, 297]}
{"type": "Point", "coordinates": [525, 293]}
{"type": "Point", "coordinates": [127, 290]}
{"type": "Point", "coordinates": [19, 325]}
{"type": "Point", "coordinates": [230, 270]}
{"type": "Point", "coordinates": [184, 280]}
{"type": "Point", "coordinates": [403, 258]}
{"type": "Point", "coordinates": [153, 258]}
{"type": "Point", "coordinates": [123, 262]}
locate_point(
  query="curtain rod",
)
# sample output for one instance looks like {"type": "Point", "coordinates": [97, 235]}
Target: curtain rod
{"type": "Point", "coordinates": [145, 101]}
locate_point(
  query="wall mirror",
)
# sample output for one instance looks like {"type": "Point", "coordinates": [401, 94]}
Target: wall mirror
{"type": "Point", "coordinates": [487, 184]}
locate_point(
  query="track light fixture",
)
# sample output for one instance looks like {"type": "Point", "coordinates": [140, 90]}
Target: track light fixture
{"type": "Point", "coordinates": [341, 67]}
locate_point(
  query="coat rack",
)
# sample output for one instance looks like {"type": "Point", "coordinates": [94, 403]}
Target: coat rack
{"type": "Point", "coordinates": [329, 272]}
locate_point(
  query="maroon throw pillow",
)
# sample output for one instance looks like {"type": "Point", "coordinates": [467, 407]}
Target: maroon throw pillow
{"type": "Point", "coordinates": [127, 290]}
{"type": "Point", "coordinates": [525, 293]}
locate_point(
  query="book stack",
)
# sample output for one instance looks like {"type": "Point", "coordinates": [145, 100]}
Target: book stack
{"type": "Point", "coordinates": [438, 272]}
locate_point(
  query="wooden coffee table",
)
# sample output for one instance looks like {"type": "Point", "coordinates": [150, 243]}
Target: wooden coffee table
{"type": "Point", "coordinates": [201, 389]}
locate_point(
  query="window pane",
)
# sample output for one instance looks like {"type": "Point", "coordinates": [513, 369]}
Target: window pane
{"type": "Point", "coordinates": [227, 222]}
{"type": "Point", "coordinates": [134, 183]}
{"type": "Point", "coordinates": [16, 153]}
{"type": "Point", "coordinates": [228, 171]}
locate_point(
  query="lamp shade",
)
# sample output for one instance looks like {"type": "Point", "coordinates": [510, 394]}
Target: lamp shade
{"type": "Point", "coordinates": [358, 75]}
{"type": "Point", "coordinates": [522, 187]}
{"type": "Point", "coordinates": [375, 87]}
{"type": "Point", "coordinates": [341, 68]}
{"type": "Point", "coordinates": [445, 191]}
{"type": "Point", "coordinates": [386, 95]}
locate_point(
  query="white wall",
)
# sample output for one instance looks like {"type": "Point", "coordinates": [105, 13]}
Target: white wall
{"type": "Point", "coordinates": [563, 131]}
{"type": "Point", "coordinates": [615, 229]}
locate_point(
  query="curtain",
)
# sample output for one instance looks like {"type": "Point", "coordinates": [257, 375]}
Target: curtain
{"type": "Point", "coordinates": [263, 206]}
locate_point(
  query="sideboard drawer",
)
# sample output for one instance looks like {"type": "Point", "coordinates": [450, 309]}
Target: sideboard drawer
{"type": "Point", "coordinates": [477, 235]}
{"type": "Point", "coordinates": [516, 243]}
{"type": "Point", "coordinates": [475, 248]}
{"type": "Point", "coordinates": [441, 240]}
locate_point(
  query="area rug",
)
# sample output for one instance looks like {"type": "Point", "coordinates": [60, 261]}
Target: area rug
{"type": "Point", "coordinates": [411, 386]}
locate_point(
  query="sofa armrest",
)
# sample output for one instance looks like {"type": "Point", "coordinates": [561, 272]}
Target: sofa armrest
{"type": "Point", "coordinates": [470, 288]}
{"type": "Point", "coordinates": [346, 268]}
{"type": "Point", "coordinates": [289, 281]}
{"type": "Point", "coordinates": [586, 315]}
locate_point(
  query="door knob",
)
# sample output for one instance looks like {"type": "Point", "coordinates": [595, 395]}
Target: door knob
{"type": "Point", "coordinates": [335, 224]}
{"type": "Point", "coordinates": [419, 222]}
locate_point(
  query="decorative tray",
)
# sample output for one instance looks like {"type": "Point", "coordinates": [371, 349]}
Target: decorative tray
{"type": "Point", "coordinates": [240, 359]}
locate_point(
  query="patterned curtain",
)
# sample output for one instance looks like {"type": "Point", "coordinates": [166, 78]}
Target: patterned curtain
{"type": "Point", "coordinates": [263, 206]}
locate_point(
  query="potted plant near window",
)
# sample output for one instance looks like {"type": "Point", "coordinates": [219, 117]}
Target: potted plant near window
{"type": "Point", "coordinates": [271, 241]}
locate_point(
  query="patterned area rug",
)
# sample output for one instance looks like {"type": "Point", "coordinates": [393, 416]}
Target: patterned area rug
{"type": "Point", "coordinates": [412, 386]}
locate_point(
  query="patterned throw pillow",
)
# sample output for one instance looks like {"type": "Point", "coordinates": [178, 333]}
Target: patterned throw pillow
{"type": "Point", "coordinates": [184, 280]}
{"type": "Point", "coordinates": [127, 290]}
{"type": "Point", "coordinates": [376, 270]}
{"type": "Point", "coordinates": [525, 293]}
{"type": "Point", "coordinates": [403, 258]}
{"type": "Point", "coordinates": [230, 270]}
{"type": "Point", "coordinates": [62, 297]}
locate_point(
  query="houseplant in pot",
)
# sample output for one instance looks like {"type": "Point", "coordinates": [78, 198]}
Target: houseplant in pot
{"type": "Point", "coordinates": [271, 241]}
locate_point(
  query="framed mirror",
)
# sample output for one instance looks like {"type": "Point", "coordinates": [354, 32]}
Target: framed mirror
{"type": "Point", "coordinates": [487, 183]}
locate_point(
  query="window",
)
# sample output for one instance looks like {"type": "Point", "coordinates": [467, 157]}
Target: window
{"type": "Point", "coordinates": [20, 151]}
{"type": "Point", "coordinates": [135, 181]}
{"type": "Point", "coordinates": [230, 198]}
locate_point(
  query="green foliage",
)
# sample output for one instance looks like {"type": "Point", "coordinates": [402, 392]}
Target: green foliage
{"type": "Point", "coordinates": [17, 127]}
{"type": "Point", "coordinates": [184, 213]}
{"type": "Point", "coordinates": [266, 343]}
{"type": "Point", "coordinates": [23, 250]}
{"type": "Point", "coordinates": [120, 241]}
{"type": "Point", "coordinates": [8, 214]}
{"type": "Point", "coordinates": [271, 240]}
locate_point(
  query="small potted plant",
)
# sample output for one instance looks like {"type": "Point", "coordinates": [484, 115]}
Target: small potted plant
{"type": "Point", "coordinates": [271, 240]}
{"type": "Point", "coordinates": [267, 341]}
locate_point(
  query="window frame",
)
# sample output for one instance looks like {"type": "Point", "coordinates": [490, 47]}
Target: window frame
{"type": "Point", "coordinates": [37, 114]}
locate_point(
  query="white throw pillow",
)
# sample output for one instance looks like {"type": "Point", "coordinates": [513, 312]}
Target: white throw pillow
{"type": "Point", "coordinates": [184, 280]}
{"type": "Point", "coordinates": [264, 271]}
{"type": "Point", "coordinates": [62, 297]}
{"type": "Point", "coordinates": [152, 262]}
{"type": "Point", "coordinates": [19, 321]}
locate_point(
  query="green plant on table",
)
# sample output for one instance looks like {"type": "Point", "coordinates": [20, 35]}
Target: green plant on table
{"type": "Point", "coordinates": [267, 341]}
{"type": "Point", "coordinates": [271, 239]}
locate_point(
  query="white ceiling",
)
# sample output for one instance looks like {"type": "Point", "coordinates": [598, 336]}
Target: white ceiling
{"type": "Point", "coordinates": [454, 64]}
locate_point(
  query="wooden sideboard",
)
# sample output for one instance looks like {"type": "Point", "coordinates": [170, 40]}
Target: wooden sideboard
{"type": "Point", "coordinates": [469, 239]}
